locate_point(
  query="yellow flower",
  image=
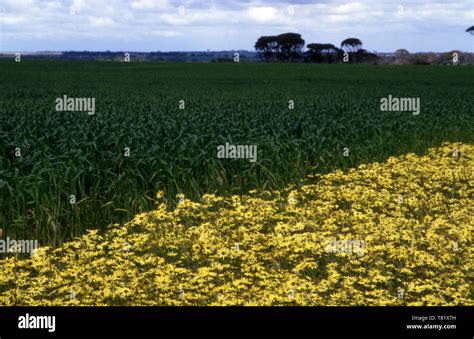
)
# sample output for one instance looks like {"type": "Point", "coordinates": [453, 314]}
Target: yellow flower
{"type": "Point", "coordinates": [259, 250]}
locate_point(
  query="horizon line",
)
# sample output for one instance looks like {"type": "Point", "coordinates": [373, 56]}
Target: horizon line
{"type": "Point", "coordinates": [194, 51]}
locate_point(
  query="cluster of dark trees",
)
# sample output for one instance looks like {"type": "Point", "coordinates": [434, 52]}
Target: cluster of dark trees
{"type": "Point", "coordinates": [283, 47]}
{"type": "Point", "coordinates": [288, 47]}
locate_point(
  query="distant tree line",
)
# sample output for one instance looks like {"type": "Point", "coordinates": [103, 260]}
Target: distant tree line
{"type": "Point", "coordinates": [288, 47]}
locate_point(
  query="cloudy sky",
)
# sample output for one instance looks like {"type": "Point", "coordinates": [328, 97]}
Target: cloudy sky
{"type": "Point", "coordinates": [187, 25]}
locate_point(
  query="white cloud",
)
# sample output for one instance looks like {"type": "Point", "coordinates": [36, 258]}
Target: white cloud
{"type": "Point", "coordinates": [100, 21]}
{"type": "Point", "coordinates": [173, 19]}
{"type": "Point", "coordinates": [349, 8]}
{"type": "Point", "coordinates": [12, 20]}
{"type": "Point", "coordinates": [263, 14]}
{"type": "Point", "coordinates": [165, 34]}
{"type": "Point", "coordinates": [150, 4]}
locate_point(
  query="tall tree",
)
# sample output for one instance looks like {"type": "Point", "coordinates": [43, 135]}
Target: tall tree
{"type": "Point", "coordinates": [322, 52]}
{"type": "Point", "coordinates": [402, 55]}
{"type": "Point", "coordinates": [351, 45]}
{"type": "Point", "coordinates": [290, 46]}
{"type": "Point", "coordinates": [363, 56]}
{"type": "Point", "coordinates": [267, 47]}
{"type": "Point", "coordinates": [284, 47]}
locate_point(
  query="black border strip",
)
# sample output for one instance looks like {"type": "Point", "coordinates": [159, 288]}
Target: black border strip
{"type": "Point", "coordinates": [239, 321]}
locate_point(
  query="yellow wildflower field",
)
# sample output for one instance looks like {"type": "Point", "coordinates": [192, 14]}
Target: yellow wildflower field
{"type": "Point", "coordinates": [405, 226]}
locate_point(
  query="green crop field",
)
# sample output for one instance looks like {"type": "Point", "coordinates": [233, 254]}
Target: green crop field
{"type": "Point", "coordinates": [47, 155]}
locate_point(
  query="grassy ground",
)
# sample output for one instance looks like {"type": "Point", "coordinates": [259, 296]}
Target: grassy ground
{"type": "Point", "coordinates": [173, 150]}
